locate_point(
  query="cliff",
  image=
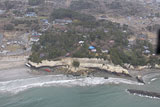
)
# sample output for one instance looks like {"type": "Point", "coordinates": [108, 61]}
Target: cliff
{"type": "Point", "coordinates": [85, 64]}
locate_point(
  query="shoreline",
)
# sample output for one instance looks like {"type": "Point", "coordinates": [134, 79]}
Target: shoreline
{"type": "Point", "coordinates": [13, 67]}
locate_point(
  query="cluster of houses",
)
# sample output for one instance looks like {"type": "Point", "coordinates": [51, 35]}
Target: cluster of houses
{"type": "Point", "coordinates": [35, 36]}
{"type": "Point", "coordinates": [62, 21]}
{"type": "Point", "coordinates": [45, 25]}
{"type": "Point", "coordinates": [61, 24]}
{"type": "Point", "coordinates": [31, 14]}
{"type": "Point", "coordinates": [5, 51]}
{"type": "Point", "coordinates": [93, 48]}
{"type": "Point", "coordinates": [146, 50]}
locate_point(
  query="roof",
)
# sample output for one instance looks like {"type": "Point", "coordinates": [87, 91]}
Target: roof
{"type": "Point", "coordinates": [91, 47]}
{"type": "Point", "coordinates": [31, 14]}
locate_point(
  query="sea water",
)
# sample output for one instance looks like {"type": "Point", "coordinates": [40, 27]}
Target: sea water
{"type": "Point", "coordinates": [63, 91]}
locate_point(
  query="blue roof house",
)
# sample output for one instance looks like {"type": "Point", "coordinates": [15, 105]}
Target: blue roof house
{"type": "Point", "coordinates": [91, 47]}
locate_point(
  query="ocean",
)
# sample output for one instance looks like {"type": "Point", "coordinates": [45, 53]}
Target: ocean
{"type": "Point", "coordinates": [63, 91]}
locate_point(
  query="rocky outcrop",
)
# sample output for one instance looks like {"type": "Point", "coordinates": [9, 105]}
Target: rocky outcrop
{"type": "Point", "coordinates": [143, 67]}
{"type": "Point", "coordinates": [144, 93]}
{"type": "Point", "coordinates": [157, 66]}
{"type": "Point", "coordinates": [140, 79]}
{"type": "Point", "coordinates": [85, 64]}
{"type": "Point", "coordinates": [129, 66]}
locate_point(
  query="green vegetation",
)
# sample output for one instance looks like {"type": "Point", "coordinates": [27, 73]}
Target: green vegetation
{"type": "Point", "coordinates": [8, 27]}
{"type": "Point", "coordinates": [81, 4]}
{"type": "Point", "coordinates": [8, 5]}
{"type": "Point", "coordinates": [35, 2]}
{"type": "Point", "coordinates": [133, 57]}
{"type": "Point", "coordinates": [76, 64]}
{"type": "Point", "coordinates": [56, 43]}
{"type": "Point", "coordinates": [65, 13]}
{"type": "Point", "coordinates": [153, 28]}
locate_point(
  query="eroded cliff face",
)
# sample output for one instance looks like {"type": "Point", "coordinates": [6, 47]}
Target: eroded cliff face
{"type": "Point", "coordinates": [85, 65]}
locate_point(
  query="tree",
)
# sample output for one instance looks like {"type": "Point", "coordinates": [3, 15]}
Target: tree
{"type": "Point", "coordinates": [35, 2]}
{"type": "Point", "coordinates": [63, 13]}
{"type": "Point", "coordinates": [8, 27]}
{"type": "Point", "coordinates": [8, 5]}
{"type": "Point", "coordinates": [76, 64]}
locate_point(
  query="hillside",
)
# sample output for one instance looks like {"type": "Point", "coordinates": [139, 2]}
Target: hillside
{"type": "Point", "coordinates": [85, 37]}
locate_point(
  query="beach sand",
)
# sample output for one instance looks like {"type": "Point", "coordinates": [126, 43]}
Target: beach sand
{"type": "Point", "coordinates": [13, 67]}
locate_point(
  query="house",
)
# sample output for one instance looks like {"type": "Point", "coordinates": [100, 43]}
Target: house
{"type": "Point", "coordinates": [146, 52]}
{"type": "Point", "coordinates": [111, 41]}
{"type": "Point", "coordinates": [131, 42]}
{"type": "Point", "coordinates": [62, 21]}
{"type": "Point", "coordinates": [34, 39]}
{"type": "Point", "coordinates": [81, 42]}
{"type": "Point", "coordinates": [146, 47]}
{"type": "Point", "coordinates": [103, 17]}
{"type": "Point", "coordinates": [3, 46]}
{"type": "Point", "coordinates": [4, 52]}
{"type": "Point", "coordinates": [142, 37]}
{"type": "Point", "coordinates": [36, 34]}
{"type": "Point", "coordinates": [31, 14]}
{"type": "Point", "coordinates": [105, 31]}
{"type": "Point", "coordinates": [45, 21]}
{"type": "Point", "coordinates": [124, 31]}
{"type": "Point", "coordinates": [105, 51]}
{"type": "Point", "coordinates": [92, 49]}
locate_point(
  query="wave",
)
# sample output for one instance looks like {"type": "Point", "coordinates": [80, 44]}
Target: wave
{"type": "Point", "coordinates": [145, 96]}
{"type": "Point", "coordinates": [154, 79]}
{"type": "Point", "coordinates": [151, 77]}
{"type": "Point", "coordinates": [19, 85]}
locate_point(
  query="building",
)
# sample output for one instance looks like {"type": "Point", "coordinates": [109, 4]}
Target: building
{"type": "Point", "coordinates": [62, 21]}
{"type": "Point", "coordinates": [142, 37]}
{"type": "Point", "coordinates": [92, 49]}
{"type": "Point", "coordinates": [146, 52]}
{"type": "Point", "coordinates": [45, 21]}
{"type": "Point", "coordinates": [105, 51]}
{"type": "Point", "coordinates": [34, 39]}
{"type": "Point", "coordinates": [31, 14]}
{"type": "Point", "coordinates": [81, 42]}
{"type": "Point", "coordinates": [36, 34]}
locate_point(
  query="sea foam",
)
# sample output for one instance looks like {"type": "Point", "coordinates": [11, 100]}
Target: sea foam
{"type": "Point", "coordinates": [19, 85]}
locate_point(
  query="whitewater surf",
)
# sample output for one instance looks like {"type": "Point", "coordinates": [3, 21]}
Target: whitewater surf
{"type": "Point", "coordinates": [15, 86]}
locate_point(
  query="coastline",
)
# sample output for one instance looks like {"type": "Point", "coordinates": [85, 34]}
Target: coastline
{"type": "Point", "coordinates": [13, 67]}
{"type": "Point", "coordinates": [18, 78]}
{"type": "Point", "coordinates": [90, 67]}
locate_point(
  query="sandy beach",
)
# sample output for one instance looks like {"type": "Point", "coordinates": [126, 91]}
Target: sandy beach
{"type": "Point", "coordinates": [13, 67]}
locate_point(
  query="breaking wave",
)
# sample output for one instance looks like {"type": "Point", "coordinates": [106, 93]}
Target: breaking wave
{"type": "Point", "coordinates": [19, 85]}
{"type": "Point", "coordinates": [145, 96]}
